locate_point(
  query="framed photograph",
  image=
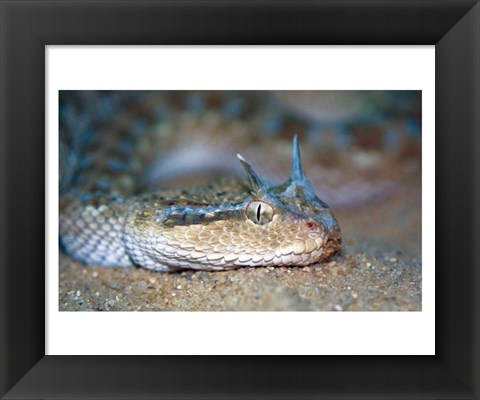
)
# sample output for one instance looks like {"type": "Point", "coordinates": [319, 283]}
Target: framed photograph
{"type": "Point", "coordinates": [208, 188]}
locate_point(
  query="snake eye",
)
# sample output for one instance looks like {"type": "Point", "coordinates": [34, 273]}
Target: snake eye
{"type": "Point", "coordinates": [259, 212]}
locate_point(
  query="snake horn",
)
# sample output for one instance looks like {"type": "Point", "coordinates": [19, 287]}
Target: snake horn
{"type": "Point", "coordinates": [297, 171]}
{"type": "Point", "coordinates": [255, 182]}
{"type": "Point", "coordinates": [298, 177]}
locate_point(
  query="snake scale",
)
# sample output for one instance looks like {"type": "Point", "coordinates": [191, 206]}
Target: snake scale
{"type": "Point", "coordinates": [113, 214]}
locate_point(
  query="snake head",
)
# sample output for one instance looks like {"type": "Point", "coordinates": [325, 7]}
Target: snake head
{"type": "Point", "coordinates": [261, 226]}
{"type": "Point", "coordinates": [294, 226]}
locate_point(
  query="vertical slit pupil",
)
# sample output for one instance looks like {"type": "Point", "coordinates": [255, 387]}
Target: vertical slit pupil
{"type": "Point", "coordinates": [258, 212]}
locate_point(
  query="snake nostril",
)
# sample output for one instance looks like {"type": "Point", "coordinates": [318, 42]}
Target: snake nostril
{"type": "Point", "coordinates": [310, 225]}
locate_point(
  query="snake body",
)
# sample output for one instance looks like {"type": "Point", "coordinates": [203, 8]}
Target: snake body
{"type": "Point", "coordinates": [111, 215]}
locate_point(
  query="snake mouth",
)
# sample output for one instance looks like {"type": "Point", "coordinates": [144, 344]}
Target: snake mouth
{"type": "Point", "coordinates": [332, 246]}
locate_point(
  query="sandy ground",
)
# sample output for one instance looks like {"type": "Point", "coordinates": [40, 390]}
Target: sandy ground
{"type": "Point", "coordinates": [378, 269]}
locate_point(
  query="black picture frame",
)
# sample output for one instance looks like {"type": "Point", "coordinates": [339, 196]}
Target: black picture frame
{"type": "Point", "coordinates": [453, 26]}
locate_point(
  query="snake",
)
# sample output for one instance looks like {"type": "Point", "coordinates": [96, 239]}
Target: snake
{"type": "Point", "coordinates": [112, 216]}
